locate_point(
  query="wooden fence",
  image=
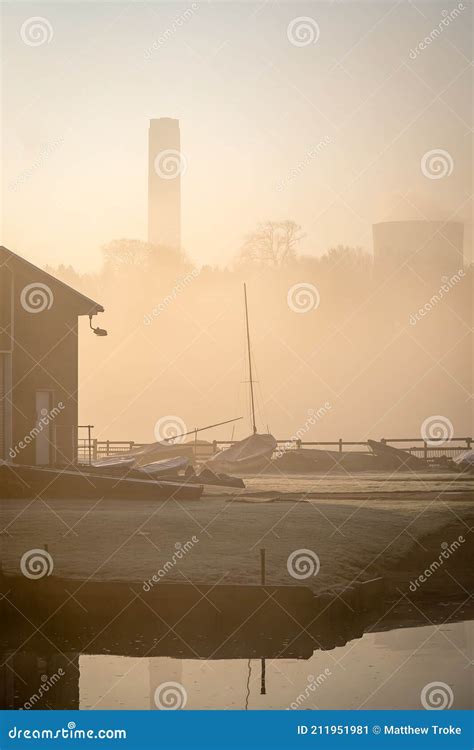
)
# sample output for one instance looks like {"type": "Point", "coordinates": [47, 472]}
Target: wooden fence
{"type": "Point", "coordinates": [90, 449]}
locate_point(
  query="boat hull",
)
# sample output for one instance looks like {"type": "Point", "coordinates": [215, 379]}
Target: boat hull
{"type": "Point", "coordinates": [31, 481]}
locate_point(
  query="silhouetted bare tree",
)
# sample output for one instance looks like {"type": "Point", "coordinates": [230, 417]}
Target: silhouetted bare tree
{"type": "Point", "coordinates": [273, 243]}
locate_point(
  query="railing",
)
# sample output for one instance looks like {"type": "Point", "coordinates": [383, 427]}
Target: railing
{"type": "Point", "coordinates": [90, 449]}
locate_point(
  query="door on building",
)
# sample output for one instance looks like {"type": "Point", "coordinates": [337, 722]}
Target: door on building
{"type": "Point", "coordinates": [3, 416]}
{"type": "Point", "coordinates": [44, 436]}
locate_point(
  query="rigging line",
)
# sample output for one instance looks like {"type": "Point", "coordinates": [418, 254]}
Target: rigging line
{"type": "Point", "coordinates": [248, 685]}
{"type": "Point", "coordinates": [254, 426]}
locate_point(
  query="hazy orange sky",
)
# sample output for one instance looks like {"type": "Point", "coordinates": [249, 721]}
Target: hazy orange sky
{"type": "Point", "coordinates": [253, 108]}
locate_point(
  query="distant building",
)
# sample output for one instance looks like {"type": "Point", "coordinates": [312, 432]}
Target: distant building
{"type": "Point", "coordinates": [166, 164]}
{"type": "Point", "coordinates": [38, 363]}
{"type": "Point", "coordinates": [426, 249]}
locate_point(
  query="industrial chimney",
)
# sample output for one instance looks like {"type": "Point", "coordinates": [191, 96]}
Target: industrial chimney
{"type": "Point", "coordinates": [166, 164]}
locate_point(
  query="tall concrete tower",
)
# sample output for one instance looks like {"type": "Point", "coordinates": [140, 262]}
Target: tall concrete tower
{"type": "Point", "coordinates": [166, 164]}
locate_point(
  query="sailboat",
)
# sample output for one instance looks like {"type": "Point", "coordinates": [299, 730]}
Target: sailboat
{"type": "Point", "coordinates": [254, 452]}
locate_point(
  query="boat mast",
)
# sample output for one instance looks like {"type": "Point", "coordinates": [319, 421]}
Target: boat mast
{"type": "Point", "coordinates": [252, 400]}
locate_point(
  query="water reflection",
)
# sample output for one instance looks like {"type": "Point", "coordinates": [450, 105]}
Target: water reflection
{"type": "Point", "coordinates": [379, 671]}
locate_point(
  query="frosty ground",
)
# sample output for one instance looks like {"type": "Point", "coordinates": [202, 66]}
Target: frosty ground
{"type": "Point", "coordinates": [386, 530]}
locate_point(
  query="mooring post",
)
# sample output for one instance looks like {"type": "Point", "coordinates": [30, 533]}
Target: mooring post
{"type": "Point", "coordinates": [89, 442]}
{"type": "Point", "coordinates": [263, 686]}
{"type": "Point", "coordinates": [262, 567]}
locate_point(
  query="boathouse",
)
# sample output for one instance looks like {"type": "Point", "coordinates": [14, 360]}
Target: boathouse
{"type": "Point", "coordinates": [39, 363]}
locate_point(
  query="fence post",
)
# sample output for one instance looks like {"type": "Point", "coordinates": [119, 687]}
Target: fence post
{"type": "Point", "coordinates": [214, 446]}
{"type": "Point", "coordinates": [425, 449]}
{"type": "Point", "coordinates": [468, 443]}
{"type": "Point", "coordinates": [94, 449]}
{"type": "Point", "coordinates": [108, 447]}
{"type": "Point", "coordinates": [298, 443]}
{"type": "Point", "coordinates": [340, 445]}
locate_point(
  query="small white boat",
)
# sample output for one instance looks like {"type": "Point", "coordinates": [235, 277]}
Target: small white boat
{"type": "Point", "coordinates": [254, 452]}
{"type": "Point", "coordinates": [115, 462]}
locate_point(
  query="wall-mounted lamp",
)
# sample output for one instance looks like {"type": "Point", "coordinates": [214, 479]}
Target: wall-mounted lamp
{"type": "Point", "coordinates": [97, 331]}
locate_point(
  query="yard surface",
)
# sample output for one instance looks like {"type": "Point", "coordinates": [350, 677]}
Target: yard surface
{"type": "Point", "coordinates": [372, 531]}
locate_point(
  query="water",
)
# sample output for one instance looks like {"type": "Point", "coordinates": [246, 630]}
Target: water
{"type": "Point", "coordinates": [380, 670]}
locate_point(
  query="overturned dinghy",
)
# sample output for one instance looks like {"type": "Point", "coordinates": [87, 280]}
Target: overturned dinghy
{"type": "Point", "coordinates": [394, 458]}
{"type": "Point", "coordinates": [251, 454]}
{"type": "Point", "coordinates": [465, 461]}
